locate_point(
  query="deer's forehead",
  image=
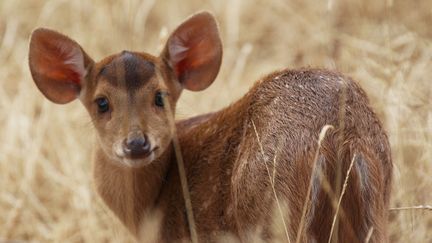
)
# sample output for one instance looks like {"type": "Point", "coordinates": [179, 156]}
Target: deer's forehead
{"type": "Point", "coordinates": [128, 70]}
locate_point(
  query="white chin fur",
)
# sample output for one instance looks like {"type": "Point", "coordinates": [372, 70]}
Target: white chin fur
{"type": "Point", "coordinates": [118, 150]}
{"type": "Point", "coordinates": [136, 163]}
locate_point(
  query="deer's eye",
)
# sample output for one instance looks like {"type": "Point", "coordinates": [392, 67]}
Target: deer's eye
{"type": "Point", "coordinates": [159, 99]}
{"type": "Point", "coordinates": [103, 104]}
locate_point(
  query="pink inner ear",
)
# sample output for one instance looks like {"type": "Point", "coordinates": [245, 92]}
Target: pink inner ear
{"type": "Point", "coordinates": [189, 53]}
{"type": "Point", "coordinates": [59, 62]}
{"type": "Point", "coordinates": [195, 51]}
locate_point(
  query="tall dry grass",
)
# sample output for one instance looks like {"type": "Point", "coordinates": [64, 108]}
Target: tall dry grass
{"type": "Point", "coordinates": [46, 191]}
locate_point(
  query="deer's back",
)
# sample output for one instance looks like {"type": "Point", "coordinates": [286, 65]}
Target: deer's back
{"type": "Point", "coordinates": [271, 134]}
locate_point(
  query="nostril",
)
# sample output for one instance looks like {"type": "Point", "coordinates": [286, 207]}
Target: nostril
{"type": "Point", "coordinates": [135, 142]}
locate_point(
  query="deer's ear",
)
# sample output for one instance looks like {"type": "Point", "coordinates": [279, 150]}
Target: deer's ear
{"type": "Point", "coordinates": [58, 65]}
{"type": "Point", "coordinates": [194, 51]}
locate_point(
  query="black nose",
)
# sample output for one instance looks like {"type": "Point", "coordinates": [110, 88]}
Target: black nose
{"type": "Point", "coordinates": [136, 145]}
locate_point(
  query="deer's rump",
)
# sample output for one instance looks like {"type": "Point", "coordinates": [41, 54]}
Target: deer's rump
{"type": "Point", "coordinates": [270, 143]}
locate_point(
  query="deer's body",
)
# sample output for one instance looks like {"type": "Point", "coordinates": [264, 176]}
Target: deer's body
{"type": "Point", "coordinates": [235, 159]}
{"type": "Point", "coordinates": [227, 176]}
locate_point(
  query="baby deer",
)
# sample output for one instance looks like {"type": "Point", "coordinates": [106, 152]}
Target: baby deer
{"type": "Point", "coordinates": [242, 162]}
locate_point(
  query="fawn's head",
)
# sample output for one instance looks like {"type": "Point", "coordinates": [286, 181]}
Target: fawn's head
{"type": "Point", "coordinates": [126, 93]}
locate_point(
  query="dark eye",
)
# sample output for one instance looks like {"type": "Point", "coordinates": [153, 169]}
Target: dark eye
{"type": "Point", "coordinates": [159, 99]}
{"type": "Point", "coordinates": [103, 104]}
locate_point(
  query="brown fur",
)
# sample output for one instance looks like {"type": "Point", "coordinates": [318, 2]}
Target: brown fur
{"type": "Point", "coordinates": [226, 171]}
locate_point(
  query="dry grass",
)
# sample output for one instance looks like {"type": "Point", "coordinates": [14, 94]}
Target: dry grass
{"type": "Point", "coordinates": [281, 212]}
{"type": "Point", "coordinates": [46, 192]}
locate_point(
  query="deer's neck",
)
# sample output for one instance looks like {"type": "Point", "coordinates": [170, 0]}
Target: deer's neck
{"type": "Point", "coordinates": [130, 193]}
{"type": "Point", "coordinates": [133, 193]}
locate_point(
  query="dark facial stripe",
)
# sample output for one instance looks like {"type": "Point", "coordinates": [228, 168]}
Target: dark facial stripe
{"type": "Point", "coordinates": [130, 70]}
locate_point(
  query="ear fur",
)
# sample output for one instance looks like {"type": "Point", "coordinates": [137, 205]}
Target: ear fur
{"type": "Point", "coordinates": [194, 51]}
{"type": "Point", "coordinates": [58, 65]}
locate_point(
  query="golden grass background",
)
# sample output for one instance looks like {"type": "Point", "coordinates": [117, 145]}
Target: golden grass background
{"type": "Point", "coordinates": [46, 192]}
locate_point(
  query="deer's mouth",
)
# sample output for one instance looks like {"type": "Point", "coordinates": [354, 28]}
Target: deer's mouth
{"type": "Point", "coordinates": [140, 156]}
{"type": "Point", "coordinates": [134, 160]}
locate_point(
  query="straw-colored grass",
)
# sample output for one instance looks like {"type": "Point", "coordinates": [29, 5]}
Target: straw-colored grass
{"type": "Point", "coordinates": [46, 191]}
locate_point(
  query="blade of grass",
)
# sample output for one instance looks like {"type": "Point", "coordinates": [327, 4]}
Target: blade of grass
{"type": "Point", "coordinates": [321, 137]}
{"type": "Point", "coordinates": [182, 173]}
{"type": "Point", "coordinates": [369, 235]}
{"type": "Point", "coordinates": [340, 198]}
{"type": "Point", "coordinates": [421, 207]}
{"type": "Point", "coordinates": [272, 182]}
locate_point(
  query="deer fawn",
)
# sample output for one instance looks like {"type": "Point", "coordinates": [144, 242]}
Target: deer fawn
{"type": "Point", "coordinates": [237, 160]}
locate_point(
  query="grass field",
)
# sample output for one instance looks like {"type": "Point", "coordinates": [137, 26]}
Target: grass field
{"type": "Point", "coordinates": [46, 192]}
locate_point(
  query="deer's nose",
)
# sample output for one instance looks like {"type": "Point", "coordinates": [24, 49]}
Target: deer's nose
{"type": "Point", "coordinates": [136, 145]}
